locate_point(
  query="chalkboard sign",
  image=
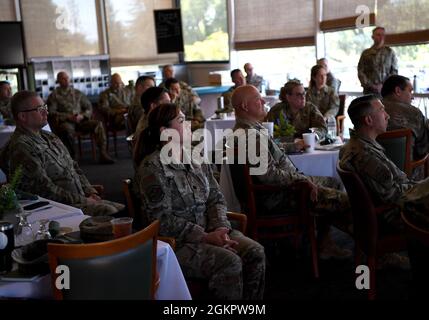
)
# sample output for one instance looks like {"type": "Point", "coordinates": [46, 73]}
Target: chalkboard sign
{"type": "Point", "coordinates": [168, 26]}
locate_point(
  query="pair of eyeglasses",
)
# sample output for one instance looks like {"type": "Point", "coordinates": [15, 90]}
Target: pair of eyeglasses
{"type": "Point", "coordinates": [40, 109]}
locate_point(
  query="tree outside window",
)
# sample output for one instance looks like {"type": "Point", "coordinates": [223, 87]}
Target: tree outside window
{"type": "Point", "coordinates": [205, 30]}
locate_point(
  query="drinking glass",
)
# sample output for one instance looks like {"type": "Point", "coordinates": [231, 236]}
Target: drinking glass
{"type": "Point", "coordinates": [43, 232]}
{"type": "Point", "coordinates": [24, 231]}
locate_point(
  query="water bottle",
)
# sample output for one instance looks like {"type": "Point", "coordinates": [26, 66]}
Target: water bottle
{"type": "Point", "coordinates": [332, 127]}
{"type": "Point", "coordinates": [416, 89]}
{"type": "Point", "coordinates": [1, 120]}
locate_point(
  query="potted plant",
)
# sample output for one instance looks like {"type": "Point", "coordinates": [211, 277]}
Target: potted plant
{"type": "Point", "coordinates": [284, 131]}
{"type": "Point", "coordinates": [8, 199]}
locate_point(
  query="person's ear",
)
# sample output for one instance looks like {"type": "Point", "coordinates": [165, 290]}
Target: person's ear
{"type": "Point", "coordinates": [397, 91]}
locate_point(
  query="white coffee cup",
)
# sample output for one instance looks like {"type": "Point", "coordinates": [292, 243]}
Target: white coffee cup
{"type": "Point", "coordinates": [310, 140]}
{"type": "Point", "coordinates": [270, 127]}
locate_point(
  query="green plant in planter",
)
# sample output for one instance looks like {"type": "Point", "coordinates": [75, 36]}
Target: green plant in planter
{"type": "Point", "coordinates": [8, 199]}
{"type": "Point", "coordinates": [284, 129]}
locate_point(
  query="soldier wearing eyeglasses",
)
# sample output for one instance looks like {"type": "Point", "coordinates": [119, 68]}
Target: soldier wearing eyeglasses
{"type": "Point", "coordinates": [70, 111]}
{"type": "Point", "coordinates": [297, 112]}
{"type": "Point", "coordinates": [48, 169]}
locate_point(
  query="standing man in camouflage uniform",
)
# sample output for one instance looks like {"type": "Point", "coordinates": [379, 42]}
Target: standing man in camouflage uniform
{"type": "Point", "coordinates": [48, 169]}
{"type": "Point", "coordinates": [185, 198]}
{"type": "Point", "coordinates": [115, 101]}
{"type": "Point", "coordinates": [397, 93]}
{"type": "Point", "coordinates": [252, 78]}
{"type": "Point", "coordinates": [5, 97]}
{"type": "Point", "coordinates": [331, 81]}
{"type": "Point", "coordinates": [297, 112]}
{"type": "Point", "coordinates": [188, 106]}
{"type": "Point", "coordinates": [70, 111]}
{"type": "Point", "coordinates": [328, 202]}
{"type": "Point", "coordinates": [377, 63]}
{"type": "Point", "coordinates": [136, 109]}
{"type": "Point", "coordinates": [239, 80]}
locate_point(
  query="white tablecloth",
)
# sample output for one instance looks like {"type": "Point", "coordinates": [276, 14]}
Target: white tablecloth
{"type": "Point", "coordinates": [318, 163]}
{"type": "Point", "coordinates": [172, 283]}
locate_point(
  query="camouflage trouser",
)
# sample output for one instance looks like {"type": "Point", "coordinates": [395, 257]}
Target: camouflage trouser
{"type": "Point", "coordinates": [415, 204]}
{"type": "Point", "coordinates": [116, 119]}
{"type": "Point", "coordinates": [66, 131]}
{"type": "Point", "coordinates": [332, 204]}
{"type": "Point", "coordinates": [231, 276]}
{"type": "Point", "coordinates": [101, 208]}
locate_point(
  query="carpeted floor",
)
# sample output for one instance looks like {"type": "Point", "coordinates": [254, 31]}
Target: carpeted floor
{"type": "Point", "coordinates": [289, 275]}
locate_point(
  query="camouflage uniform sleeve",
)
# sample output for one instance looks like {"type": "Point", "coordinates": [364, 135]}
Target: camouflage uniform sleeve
{"type": "Point", "coordinates": [318, 122]}
{"type": "Point", "coordinates": [280, 169]}
{"type": "Point", "coordinates": [334, 104]}
{"type": "Point", "coordinates": [103, 103]}
{"type": "Point", "coordinates": [394, 64]}
{"type": "Point", "coordinates": [85, 106]}
{"type": "Point", "coordinates": [380, 179]}
{"type": "Point", "coordinates": [86, 185]}
{"type": "Point", "coordinates": [35, 178]}
{"type": "Point", "coordinates": [53, 109]}
{"type": "Point", "coordinates": [361, 71]}
{"type": "Point", "coordinates": [216, 205]}
{"type": "Point", "coordinates": [157, 200]}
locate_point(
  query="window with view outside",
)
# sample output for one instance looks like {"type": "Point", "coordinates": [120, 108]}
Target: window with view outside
{"type": "Point", "coordinates": [343, 49]}
{"type": "Point", "coordinates": [205, 30]}
{"type": "Point", "coordinates": [279, 65]}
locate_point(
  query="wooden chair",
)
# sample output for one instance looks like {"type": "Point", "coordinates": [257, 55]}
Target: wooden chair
{"type": "Point", "coordinates": [397, 144]}
{"type": "Point", "coordinates": [342, 105]}
{"type": "Point", "coordinates": [368, 239]}
{"type": "Point", "coordinates": [276, 225]}
{"type": "Point", "coordinates": [123, 268]}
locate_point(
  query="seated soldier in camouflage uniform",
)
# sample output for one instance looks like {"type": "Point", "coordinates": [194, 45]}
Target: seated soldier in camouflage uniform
{"type": "Point", "coordinates": [70, 111]}
{"type": "Point", "coordinates": [5, 97]}
{"type": "Point", "coordinates": [385, 181]}
{"type": "Point", "coordinates": [48, 169]}
{"type": "Point", "coordinates": [331, 81]}
{"type": "Point", "coordinates": [239, 80]}
{"type": "Point", "coordinates": [328, 201]}
{"type": "Point", "coordinates": [188, 106]}
{"type": "Point", "coordinates": [185, 198]}
{"type": "Point", "coordinates": [297, 112]}
{"type": "Point", "coordinates": [136, 109]}
{"type": "Point", "coordinates": [322, 96]}
{"type": "Point", "coordinates": [115, 101]}
{"type": "Point", "coordinates": [397, 93]}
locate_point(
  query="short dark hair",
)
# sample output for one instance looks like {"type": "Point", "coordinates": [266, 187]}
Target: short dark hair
{"type": "Point", "coordinates": [392, 82]}
{"type": "Point", "coordinates": [288, 88]}
{"type": "Point", "coordinates": [2, 83]}
{"type": "Point", "coordinates": [359, 108]}
{"type": "Point", "coordinates": [151, 95]}
{"type": "Point", "coordinates": [142, 79]}
{"type": "Point", "coordinates": [234, 72]}
{"type": "Point", "coordinates": [169, 82]}
{"type": "Point", "coordinates": [377, 28]}
{"type": "Point", "coordinates": [20, 100]}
